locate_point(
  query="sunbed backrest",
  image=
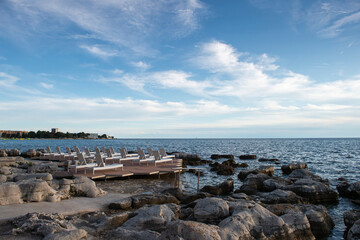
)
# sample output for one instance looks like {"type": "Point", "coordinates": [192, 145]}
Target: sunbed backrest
{"type": "Point", "coordinates": [150, 152]}
{"type": "Point", "coordinates": [48, 149]}
{"type": "Point", "coordinates": [141, 154]}
{"type": "Point", "coordinates": [123, 153]}
{"type": "Point", "coordinates": [99, 160]}
{"type": "Point", "coordinates": [68, 150]}
{"type": "Point", "coordinates": [81, 159]}
{"type": "Point", "coordinates": [58, 150]}
{"type": "Point", "coordinates": [112, 150]}
{"type": "Point", "coordinates": [157, 155]}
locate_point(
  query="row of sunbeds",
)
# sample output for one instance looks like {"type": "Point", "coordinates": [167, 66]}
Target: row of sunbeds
{"type": "Point", "coordinates": [98, 160]}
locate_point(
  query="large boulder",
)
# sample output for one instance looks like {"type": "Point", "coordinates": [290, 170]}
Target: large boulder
{"type": "Point", "coordinates": [287, 169]}
{"type": "Point", "coordinates": [190, 230]}
{"type": "Point", "coordinates": [31, 153]}
{"type": "Point", "coordinates": [349, 190]}
{"type": "Point", "coordinates": [43, 176]}
{"type": "Point", "coordinates": [193, 197]}
{"type": "Point", "coordinates": [27, 190]}
{"type": "Point", "coordinates": [313, 191]}
{"type": "Point", "coordinates": [211, 210]}
{"type": "Point", "coordinates": [152, 218]}
{"type": "Point", "coordinates": [268, 170]}
{"type": "Point", "coordinates": [5, 170]}
{"type": "Point", "coordinates": [218, 156]}
{"type": "Point", "coordinates": [280, 196]}
{"type": "Point", "coordinates": [250, 220]}
{"type": "Point", "coordinates": [3, 178]}
{"type": "Point", "coordinates": [224, 188]}
{"type": "Point", "coordinates": [85, 187]}
{"type": "Point", "coordinates": [305, 174]}
{"type": "Point", "coordinates": [319, 219]}
{"type": "Point", "coordinates": [275, 183]}
{"type": "Point", "coordinates": [140, 200]}
{"type": "Point", "coordinates": [247, 156]}
{"type": "Point", "coordinates": [253, 183]}
{"type": "Point", "coordinates": [350, 217]}
{"type": "Point", "coordinates": [354, 232]}
{"type": "Point", "coordinates": [190, 159]}
{"type": "Point", "coordinates": [3, 153]}
{"type": "Point", "coordinates": [14, 152]}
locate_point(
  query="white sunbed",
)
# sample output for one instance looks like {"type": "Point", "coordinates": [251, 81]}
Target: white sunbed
{"type": "Point", "coordinates": [101, 165]}
{"type": "Point", "coordinates": [125, 156]}
{"type": "Point", "coordinates": [164, 154]}
{"type": "Point", "coordinates": [144, 158]}
{"type": "Point", "coordinates": [159, 159]}
{"type": "Point", "coordinates": [82, 163]}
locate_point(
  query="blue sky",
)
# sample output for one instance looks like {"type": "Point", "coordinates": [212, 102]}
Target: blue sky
{"type": "Point", "coordinates": [190, 68]}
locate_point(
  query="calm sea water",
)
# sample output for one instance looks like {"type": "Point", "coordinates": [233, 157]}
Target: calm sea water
{"type": "Point", "coordinates": [329, 158]}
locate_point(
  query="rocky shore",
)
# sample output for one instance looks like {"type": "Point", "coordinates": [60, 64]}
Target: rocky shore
{"type": "Point", "coordinates": [265, 206]}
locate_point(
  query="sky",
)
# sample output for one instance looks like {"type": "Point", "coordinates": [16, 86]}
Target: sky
{"type": "Point", "coordinates": [181, 68]}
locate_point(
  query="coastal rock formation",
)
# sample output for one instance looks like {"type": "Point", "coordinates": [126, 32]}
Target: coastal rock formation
{"type": "Point", "coordinates": [247, 156]}
{"type": "Point", "coordinates": [348, 190]}
{"type": "Point", "coordinates": [225, 168]}
{"type": "Point", "coordinates": [280, 196]}
{"type": "Point", "coordinates": [211, 210]}
{"type": "Point", "coordinates": [190, 230]}
{"type": "Point", "coordinates": [268, 160]}
{"type": "Point", "coordinates": [84, 187]}
{"type": "Point", "coordinates": [350, 217]}
{"type": "Point", "coordinates": [317, 215]}
{"type": "Point", "coordinates": [125, 234]}
{"type": "Point", "coordinates": [13, 153]}
{"type": "Point", "coordinates": [67, 235]}
{"type": "Point", "coordinates": [268, 170]}
{"type": "Point", "coordinates": [354, 232]}
{"type": "Point", "coordinates": [224, 188]}
{"type": "Point", "coordinates": [253, 183]}
{"type": "Point", "coordinates": [250, 220]}
{"type": "Point", "coordinates": [287, 169]}
{"type": "Point", "coordinates": [138, 201]}
{"type": "Point", "coordinates": [43, 168]}
{"type": "Point", "coordinates": [218, 156]}
{"type": "Point", "coordinates": [152, 218]}
{"type": "Point", "coordinates": [31, 153]}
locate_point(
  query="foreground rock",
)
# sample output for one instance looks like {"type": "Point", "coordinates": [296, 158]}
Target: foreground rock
{"type": "Point", "coordinates": [138, 201]}
{"type": "Point", "coordinates": [354, 232]}
{"type": "Point", "coordinates": [250, 220]}
{"type": "Point", "coordinates": [211, 210]}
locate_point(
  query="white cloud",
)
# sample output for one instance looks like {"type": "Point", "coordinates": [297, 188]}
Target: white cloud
{"type": "Point", "coordinates": [99, 52]}
{"type": "Point", "coordinates": [2, 58]}
{"type": "Point", "coordinates": [47, 85]}
{"type": "Point", "coordinates": [141, 65]}
{"type": "Point", "coordinates": [338, 26]}
{"type": "Point", "coordinates": [7, 80]}
{"type": "Point", "coordinates": [131, 24]}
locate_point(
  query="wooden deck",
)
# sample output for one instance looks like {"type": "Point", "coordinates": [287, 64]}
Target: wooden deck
{"type": "Point", "coordinates": [132, 170]}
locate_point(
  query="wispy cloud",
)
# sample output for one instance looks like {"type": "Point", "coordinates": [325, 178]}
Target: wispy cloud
{"type": "Point", "coordinates": [129, 24]}
{"type": "Point", "coordinates": [47, 85]}
{"type": "Point", "coordinates": [7, 80]}
{"type": "Point", "coordinates": [329, 18]}
{"type": "Point", "coordinates": [99, 52]}
{"type": "Point", "coordinates": [141, 65]}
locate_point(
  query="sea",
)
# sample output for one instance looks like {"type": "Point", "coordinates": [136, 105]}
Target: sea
{"type": "Point", "coordinates": [330, 158]}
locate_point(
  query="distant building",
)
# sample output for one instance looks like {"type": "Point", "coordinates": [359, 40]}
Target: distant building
{"type": "Point", "coordinates": [54, 130]}
{"type": "Point", "coordinates": [93, 135]}
{"type": "Point", "coordinates": [12, 132]}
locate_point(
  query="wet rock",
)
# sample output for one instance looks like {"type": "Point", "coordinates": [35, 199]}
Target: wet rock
{"type": "Point", "coordinates": [218, 156]}
{"type": "Point", "coordinates": [67, 235]}
{"type": "Point", "coordinates": [350, 217]}
{"type": "Point", "coordinates": [268, 170]}
{"type": "Point", "coordinates": [349, 190]}
{"type": "Point", "coordinates": [275, 183]}
{"type": "Point", "coordinates": [287, 169]}
{"type": "Point", "coordinates": [226, 170]}
{"type": "Point", "coordinates": [313, 191]}
{"type": "Point", "coordinates": [189, 159]}
{"type": "Point", "coordinates": [250, 220]}
{"type": "Point", "coordinates": [243, 165]}
{"type": "Point", "coordinates": [280, 196]}
{"type": "Point", "coordinates": [186, 212]}
{"type": "Point", "coordinates": [151, 218]}
{"type": "Point", "coordinates": [354, 232]}
{"type": "Point", "coordinates": [126, 234]}
{"type": "Point", "coordinates": [211, 210]}
{"type": "Point", "coordinates": [305, 174]}
{"type": "Point", "coordinates": [224, 188]}
{"type": "Point", "coordinates": [14, 152]}
{"type": "Point", "coordinates": [300, 223]}
{"type": "Point", "coordinates": [176, 192]}
{"type": "Point", "coordinates": [253, 183]}
{"type": "Point", "coordinates": [268, 160]}
{"type": "Point", "coordinates": [43, 168]}
{"type": "Point", "coordinates": [247, 156]}
{"type": "Point", "coordinates": [190, 230]}
{"type": "Point", "coordinates": [319, 219]}
{"type": "Point", "coordinates": [85, 187]}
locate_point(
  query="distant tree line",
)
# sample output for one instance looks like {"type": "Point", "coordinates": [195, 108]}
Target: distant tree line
{"type": "Point", "coordinates": [47, 134]}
